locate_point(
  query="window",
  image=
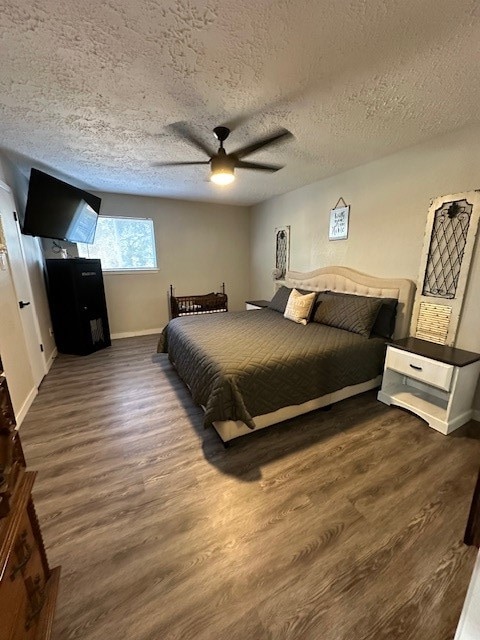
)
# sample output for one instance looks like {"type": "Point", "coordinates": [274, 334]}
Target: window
{"type": "Point", "coordinates": [122, 244]}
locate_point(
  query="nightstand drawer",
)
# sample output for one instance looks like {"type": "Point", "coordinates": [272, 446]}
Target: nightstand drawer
{"type": "Point", "coordinates": [432, 372]}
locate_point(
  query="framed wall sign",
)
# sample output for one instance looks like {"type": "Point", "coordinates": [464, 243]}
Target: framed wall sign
{"type": "Point", "coordinates": [339, 223]}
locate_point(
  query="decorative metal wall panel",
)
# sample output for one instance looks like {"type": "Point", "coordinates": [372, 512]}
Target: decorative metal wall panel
{"type": "Point", "coordinates": [282, 252]}
{"type": "Point", "coordinates": [447, 246]}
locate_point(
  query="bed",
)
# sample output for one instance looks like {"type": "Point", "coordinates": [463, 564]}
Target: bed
{"type": "Point", "coordinates": [252, 369]}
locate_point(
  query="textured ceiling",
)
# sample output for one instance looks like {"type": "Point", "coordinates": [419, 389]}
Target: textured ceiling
{"type": "Point", "coordinates": [88, 88]}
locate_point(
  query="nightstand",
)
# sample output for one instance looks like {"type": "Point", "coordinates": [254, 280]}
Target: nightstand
{"type": "Point", "coordinates": [256, 304]}
{"type": "Point", "coordinates": [435, 382]}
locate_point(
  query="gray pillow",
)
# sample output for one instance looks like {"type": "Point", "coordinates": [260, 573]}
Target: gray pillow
{"type": "Point", "coordinates": [280, 299]}
{"type": "Point", "coordinates": [384, 324]}
{"type": "Point", "coordinates": [349, 312]}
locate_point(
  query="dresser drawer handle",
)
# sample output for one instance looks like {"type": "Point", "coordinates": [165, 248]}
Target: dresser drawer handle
{"type": "Point", "coordinates": [416, 367]}
{"type": "Point", "coordinates": [27, 554]}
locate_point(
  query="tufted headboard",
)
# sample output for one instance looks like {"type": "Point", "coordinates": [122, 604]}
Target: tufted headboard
{"type": "Point", "coordinates": [345, 280]}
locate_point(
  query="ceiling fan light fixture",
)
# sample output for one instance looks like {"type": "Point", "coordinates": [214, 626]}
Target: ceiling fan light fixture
{"type": "Point", "coordinates": [222, 176]}
{"type": "Point", "coordinates": [222, 167]}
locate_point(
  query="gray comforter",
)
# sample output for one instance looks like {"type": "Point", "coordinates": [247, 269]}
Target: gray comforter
{"type": "Point", "coordinates": [248, 363]}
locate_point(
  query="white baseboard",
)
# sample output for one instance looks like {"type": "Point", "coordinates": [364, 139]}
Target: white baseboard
{"type": "Point", "coordinates": [49, 362]}
{"type": "Point", "coordinates": [132, 334]}
{"type": "Point", "coordinates": [476, 415]}
{"type": "Point", "coordinates": [26, 406]}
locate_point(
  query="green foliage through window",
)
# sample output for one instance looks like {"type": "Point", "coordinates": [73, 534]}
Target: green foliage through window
{"type": "Point", "coordinates": [122, 244]}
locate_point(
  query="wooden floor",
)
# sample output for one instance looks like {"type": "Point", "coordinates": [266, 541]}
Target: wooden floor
{"type": "Point", "coordinates": [338, 525]}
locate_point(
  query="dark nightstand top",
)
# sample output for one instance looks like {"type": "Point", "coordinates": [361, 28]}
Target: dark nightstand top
{"type": "Point", "coordinates": [258, 303]}
{"type": "Point", "coordinates": [448, 355]}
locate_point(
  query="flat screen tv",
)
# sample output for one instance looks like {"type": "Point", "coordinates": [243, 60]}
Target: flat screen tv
{"type": "Point", "coordinates": [59, 210]}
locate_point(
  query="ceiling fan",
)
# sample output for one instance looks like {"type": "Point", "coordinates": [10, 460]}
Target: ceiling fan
{"type": "Point", "coordinates": [223, 164]}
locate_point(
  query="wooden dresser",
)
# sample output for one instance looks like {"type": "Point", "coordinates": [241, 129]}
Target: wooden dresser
{"type": "Point", "coordinates": [28, 588]}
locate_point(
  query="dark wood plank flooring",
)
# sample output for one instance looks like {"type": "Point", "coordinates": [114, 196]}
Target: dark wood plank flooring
{"type": "Point", "coordinates": [338, 525]}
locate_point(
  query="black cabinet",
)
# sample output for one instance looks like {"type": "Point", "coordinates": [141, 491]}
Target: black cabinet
{"type": "Point", "coordinates": [77, 305]}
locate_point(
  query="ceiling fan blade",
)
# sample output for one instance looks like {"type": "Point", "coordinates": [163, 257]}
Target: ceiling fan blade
{"type": "Point", "coordinates": [178, 164]}
{"type": "Point", "coordinates": [282, 135]}
{"type": "Point", "coordinates": [183, 130]}
{"type": "Point", "coordinates": [258, 167]}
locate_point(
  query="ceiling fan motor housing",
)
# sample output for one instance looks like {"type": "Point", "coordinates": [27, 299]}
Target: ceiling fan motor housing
{"type": "Point", "coordinates": [221, 133]}
{"type": "Point", "coordinates": [222, 162]}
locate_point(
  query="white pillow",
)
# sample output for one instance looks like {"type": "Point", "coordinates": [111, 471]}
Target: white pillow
{"type": "Point", "coordinates": [299, 306]}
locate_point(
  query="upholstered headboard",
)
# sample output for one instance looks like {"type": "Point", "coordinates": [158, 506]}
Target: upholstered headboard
{"type": "Point", "coordinates": [345, 280]}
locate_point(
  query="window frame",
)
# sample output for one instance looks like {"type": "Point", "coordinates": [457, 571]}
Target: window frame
{"type": "Point", "coordinates": [123, 270]}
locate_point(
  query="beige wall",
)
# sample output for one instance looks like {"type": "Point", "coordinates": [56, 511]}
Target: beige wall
{"type": "Point", "coordinates": [389, 201]}
{"type": "Point", "coordinates": [199, 246]}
